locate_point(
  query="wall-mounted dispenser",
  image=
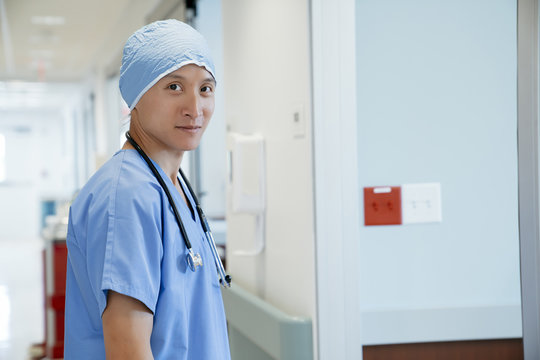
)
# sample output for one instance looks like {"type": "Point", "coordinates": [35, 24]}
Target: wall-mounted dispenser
{"type": "Point", "coordinates": [247, 183]}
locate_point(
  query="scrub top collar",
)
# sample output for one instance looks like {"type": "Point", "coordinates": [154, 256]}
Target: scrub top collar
{"type": "Point", "coordinates": [186, 211]}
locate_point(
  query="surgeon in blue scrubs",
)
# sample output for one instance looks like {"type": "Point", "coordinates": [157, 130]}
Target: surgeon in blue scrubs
{"type": "Point", "coordinates": [130, 292]}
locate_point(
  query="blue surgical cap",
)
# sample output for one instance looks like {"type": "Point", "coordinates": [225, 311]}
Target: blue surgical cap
{"type": "Point", "coordinates": [157, 50]}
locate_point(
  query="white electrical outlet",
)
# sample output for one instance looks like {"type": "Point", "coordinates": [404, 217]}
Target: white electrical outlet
{"type": "Point", "coordinates": [421, 203]}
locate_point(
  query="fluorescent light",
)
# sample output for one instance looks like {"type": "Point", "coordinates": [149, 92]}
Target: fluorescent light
{"type": "Point", "coordinates": [48, 20]}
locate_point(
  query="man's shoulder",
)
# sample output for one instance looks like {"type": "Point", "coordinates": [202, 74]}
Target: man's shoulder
{"type": "Point", "coordinates": [124, 175]}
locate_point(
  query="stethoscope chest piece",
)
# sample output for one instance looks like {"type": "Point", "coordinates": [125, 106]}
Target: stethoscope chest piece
{"type": "Point", "coordinates": [193, 260]}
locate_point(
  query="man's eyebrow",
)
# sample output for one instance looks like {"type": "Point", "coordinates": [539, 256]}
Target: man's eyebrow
{"type": "Point", "coordinates": [174, 76]}
{"type": "Point", "coordinates": [180, 77]}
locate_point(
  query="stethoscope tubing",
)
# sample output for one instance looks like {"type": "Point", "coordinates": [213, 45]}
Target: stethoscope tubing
{"type": "Point", "coordinates": [163, 185]}
{"type": "Point", "coordinates": [225, 279]}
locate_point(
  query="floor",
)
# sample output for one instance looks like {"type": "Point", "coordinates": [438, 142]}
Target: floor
{"type": "Point", "coordinates": [494, 349]}
{"type": "Point", "coordinates": [21, 297]}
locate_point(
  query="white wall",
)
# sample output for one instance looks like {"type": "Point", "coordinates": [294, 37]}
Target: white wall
{"type": "Point", "coordinates": [266, 77]}
{"type": "Point", "coordinates": [39, 165]}
{"type": "Point", "coordinates": [437, 103]}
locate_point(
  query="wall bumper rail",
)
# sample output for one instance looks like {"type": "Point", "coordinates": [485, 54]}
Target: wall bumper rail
{"type": "Point", "coordinates": [258, 330]}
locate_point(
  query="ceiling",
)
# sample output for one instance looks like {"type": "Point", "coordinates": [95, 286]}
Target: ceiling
{"type": "Point", "coordinates": [50, 49]}
{"type": "Point", "coordinates": [56, 40]}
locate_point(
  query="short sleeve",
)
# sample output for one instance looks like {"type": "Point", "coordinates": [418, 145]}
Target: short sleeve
{"type": "Point", "coordinates": [133, 248]}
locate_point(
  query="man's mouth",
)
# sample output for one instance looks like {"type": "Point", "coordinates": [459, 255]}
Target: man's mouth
{"type": "Point", "coordinates": [190, 128]}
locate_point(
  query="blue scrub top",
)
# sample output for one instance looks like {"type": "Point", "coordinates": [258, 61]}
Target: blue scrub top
{"type": "Point", "coordinates": [123, 236]}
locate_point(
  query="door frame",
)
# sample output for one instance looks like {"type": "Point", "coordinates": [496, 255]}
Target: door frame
{"type": "Point", "coordinates": [334, 98]}
{"type": "Point", "coordinates": [337, 213]}
{"type": "Point", "coordinates": [529, 215]}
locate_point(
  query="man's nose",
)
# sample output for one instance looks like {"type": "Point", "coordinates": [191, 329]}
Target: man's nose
{"type": "Point", "coordinates": [192, 106]}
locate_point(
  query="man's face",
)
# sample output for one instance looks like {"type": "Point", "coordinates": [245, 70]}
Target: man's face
{"type": "Point", "coordinates": [176, 110]}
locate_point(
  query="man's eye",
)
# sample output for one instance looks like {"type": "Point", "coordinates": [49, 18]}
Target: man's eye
{"type": "Point", "coordinates": [174, 87]}
{"type": "Point", "coordinates": [206, 89]}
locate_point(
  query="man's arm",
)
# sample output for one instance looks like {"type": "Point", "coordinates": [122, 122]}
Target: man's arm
{"type": "Point", "coordinates": [127, 326]}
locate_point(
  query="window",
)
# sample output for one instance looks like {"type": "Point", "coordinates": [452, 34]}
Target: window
{"type": "Point", "coordinates": [2, 158]}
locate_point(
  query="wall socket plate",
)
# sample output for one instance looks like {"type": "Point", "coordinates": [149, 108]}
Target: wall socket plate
{"type": "Point", "coordinates": [382, 205]}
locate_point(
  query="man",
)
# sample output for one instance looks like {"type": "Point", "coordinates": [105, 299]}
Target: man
{"type": "Point", "coordinates": [130, 292]}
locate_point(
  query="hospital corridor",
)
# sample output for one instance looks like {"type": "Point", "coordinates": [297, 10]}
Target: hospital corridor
{"type": "Point", "coordinates": [270, 180]}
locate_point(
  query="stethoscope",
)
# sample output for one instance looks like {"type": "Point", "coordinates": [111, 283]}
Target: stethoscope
{"type": "Point", "coordinates": [194, 260]}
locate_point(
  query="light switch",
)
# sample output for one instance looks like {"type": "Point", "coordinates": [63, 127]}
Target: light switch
{"type": "Point", "coordinates": [421, 203]}
{"type": "Point", "coordinates": [298, 121]}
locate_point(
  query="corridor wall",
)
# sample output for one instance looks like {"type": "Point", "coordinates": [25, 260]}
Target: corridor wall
{"type": "Point", "coordinates": [267, 81]}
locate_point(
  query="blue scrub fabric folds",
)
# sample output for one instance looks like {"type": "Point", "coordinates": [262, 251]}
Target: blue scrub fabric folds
{"type": "Point", "coordinates": [123, 236]}
{"type": "Point", "coordinates": [157, 50]}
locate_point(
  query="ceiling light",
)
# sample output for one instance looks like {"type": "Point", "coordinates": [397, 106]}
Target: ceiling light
{"type": "Point", "coordinates": [48, 20]}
